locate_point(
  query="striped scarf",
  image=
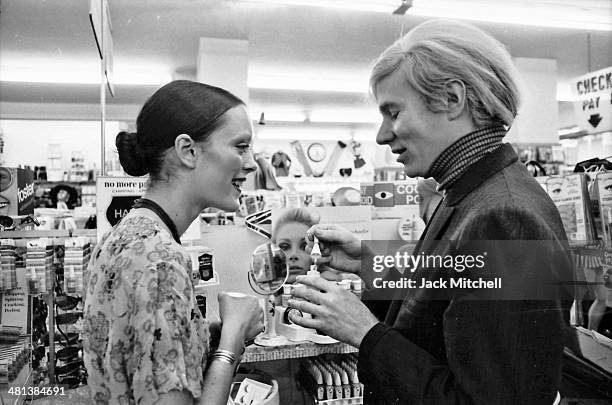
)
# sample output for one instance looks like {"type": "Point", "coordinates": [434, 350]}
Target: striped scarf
{"type": "Point", "coordinates": [466, 151]}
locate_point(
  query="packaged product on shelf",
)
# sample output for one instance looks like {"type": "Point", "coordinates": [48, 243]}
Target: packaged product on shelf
{"type": "Point", "coordinates": [8, 279]}
{"type": "Point", "coordinates": [367, 193]}
{"type": "Point", "coordinates": [9, 276]}
{"type": "Point", "coordinates": [570, 195]}
{"type": "Point", "coordinates": [39, 265]}
{"type": "Point", "coordinates": [13, 358]}
{"type": "Point", "coordinates": [252, 392]}
{"type": "Point", "coordinates": [249, 205]}
{"type": "Point", "coordinates": [73, 279]}
{"type": "Point", "coordinates": [603, 183]}
{"type": "Point", "coordinates": [558, 153]}
{"type": "Point", "coordinates": [35, 284]}
{"type": "Point", "coordinates": [331, 381]}
{"type": "Point", "coordinates": [9, 334]}
{"type": "Point", "coordinates": [77, 253]}
{"type": "Point", "coordinates": [527, 153]}
{"type": "Point", "coordinates": [544, 153]}
{"type": "Point", "coordinates": [201, 262]}
{"type": "Point", "coordinates": [17, 191]}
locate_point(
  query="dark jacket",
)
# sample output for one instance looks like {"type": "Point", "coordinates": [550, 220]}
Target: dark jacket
{"type": "Point", "coordinates": [455, 351]}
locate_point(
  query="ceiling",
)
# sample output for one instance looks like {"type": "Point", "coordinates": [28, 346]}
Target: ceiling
{"type": "Point", "coordinates": [163, 36]}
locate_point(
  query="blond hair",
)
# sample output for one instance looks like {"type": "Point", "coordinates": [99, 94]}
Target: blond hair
{"type": "Point", "coordinates": [438, 51]}
{"type": "Point", "coordinates": [299, 215]}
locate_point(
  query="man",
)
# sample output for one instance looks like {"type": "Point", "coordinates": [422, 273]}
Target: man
{"type": "Point", "coordinates": [447, 94]}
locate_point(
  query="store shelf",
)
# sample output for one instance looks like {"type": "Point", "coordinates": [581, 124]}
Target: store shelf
{"type": "Point", "coordinates": [294, 351]}
{"type": "Point", "coordinates": [53, 233]}
{"type": "Point", "coordinates": [22, 236]}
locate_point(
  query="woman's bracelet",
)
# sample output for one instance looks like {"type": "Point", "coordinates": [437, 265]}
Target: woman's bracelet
{"type": "Point", "coordinates": [224, 356]}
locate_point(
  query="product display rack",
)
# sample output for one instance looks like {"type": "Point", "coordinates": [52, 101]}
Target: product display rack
{"type": "Point", "coordinates": [294, 351]}
{"type": "Point", "coordinates": [56, 237]}
{"type": "Point", "coordinates": [550, 156]}
{"type": "Point", "coordinates": [12, 391]}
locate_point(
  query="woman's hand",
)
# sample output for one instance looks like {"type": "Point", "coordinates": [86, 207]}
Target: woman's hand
{"type": "Point", "coordinates": [340, 249]}
{"type": "Point", "coordinates": [241, 318]}
{"type": "Point", "coordinates": [241, 315]}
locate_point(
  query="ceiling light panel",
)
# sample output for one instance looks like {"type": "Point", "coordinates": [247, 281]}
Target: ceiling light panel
{"type": "Point", "coordinates": [80, 75]}
{"type": "Point", "coordinates": [582, 14]}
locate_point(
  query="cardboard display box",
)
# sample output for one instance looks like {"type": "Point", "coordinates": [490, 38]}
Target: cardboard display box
{"type": "Point", "coordinates": [16, 191]}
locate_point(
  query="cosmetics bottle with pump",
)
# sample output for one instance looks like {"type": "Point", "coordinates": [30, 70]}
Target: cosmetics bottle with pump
{"type": "Point", "coordinates": [315, 254]}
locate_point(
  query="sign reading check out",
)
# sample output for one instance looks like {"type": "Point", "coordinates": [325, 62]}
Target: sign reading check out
{"type": "Point", "coordinates": [593, 105]}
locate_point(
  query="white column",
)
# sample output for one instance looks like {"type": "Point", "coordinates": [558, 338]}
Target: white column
{"type": "Point", "coordinates": [537, 120]}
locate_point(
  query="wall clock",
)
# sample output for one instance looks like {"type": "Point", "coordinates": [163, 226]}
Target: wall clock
{"type": "Point", "coordinates": [317, 152]}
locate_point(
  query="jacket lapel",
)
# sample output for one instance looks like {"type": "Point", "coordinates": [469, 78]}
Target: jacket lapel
{"type": "Point", "coordinates": [438, 222]}
{"type": "Point", "coordinates": [436, 227]}
{"type": "Point", "coordinates": [434, 230]}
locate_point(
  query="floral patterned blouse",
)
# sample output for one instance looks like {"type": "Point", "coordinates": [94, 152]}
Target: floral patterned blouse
{"type": "Point", "coordinates": [143, 334]}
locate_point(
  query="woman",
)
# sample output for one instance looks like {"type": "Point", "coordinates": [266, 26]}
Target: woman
{"type": "Point", "coordinates": [144, 338]}
{"type": "Point", "coordinates": [289, 233]}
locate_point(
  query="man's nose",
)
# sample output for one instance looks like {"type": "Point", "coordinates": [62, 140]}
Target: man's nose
{"type": "Point", "coordinates": [385, 134]}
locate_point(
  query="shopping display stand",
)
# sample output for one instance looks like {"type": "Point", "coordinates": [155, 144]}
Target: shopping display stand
{"type": "Point", "coordinates": [56, 237]}
{"type": "Point", "coordinates": [24, 380]}
{"type": "Point", "coordinates": [17, 389]}
{"type": "Point", "coordinates": [294, 351]}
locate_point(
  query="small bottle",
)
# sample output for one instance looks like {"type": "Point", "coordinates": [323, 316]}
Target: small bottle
{"type": "Point", "coordinates": [286, 295]}
{"type": "Point", "coordinates": [313, 271]}
{"type": "Point", "coordinates": [315, 253]}
{"type": "Point", "coordinates": [32, 283]}
{"type": "Point", "coordinates": [71, 281]}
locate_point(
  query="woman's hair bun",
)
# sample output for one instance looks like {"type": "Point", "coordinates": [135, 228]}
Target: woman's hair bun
{"type": "Point", "coordinates": [130, 157]}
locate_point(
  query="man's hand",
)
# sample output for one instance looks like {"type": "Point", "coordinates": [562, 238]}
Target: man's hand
{"type": "Point", "coordinates": [340, 249]}
{"type": "Point", "coordinates": [337, 313]}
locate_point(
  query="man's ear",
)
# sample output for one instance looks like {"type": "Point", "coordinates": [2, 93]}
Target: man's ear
{"type": "Point", "coordinates": [186, 150]}
{"type": "Point", "coordinates": [455, 99]}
